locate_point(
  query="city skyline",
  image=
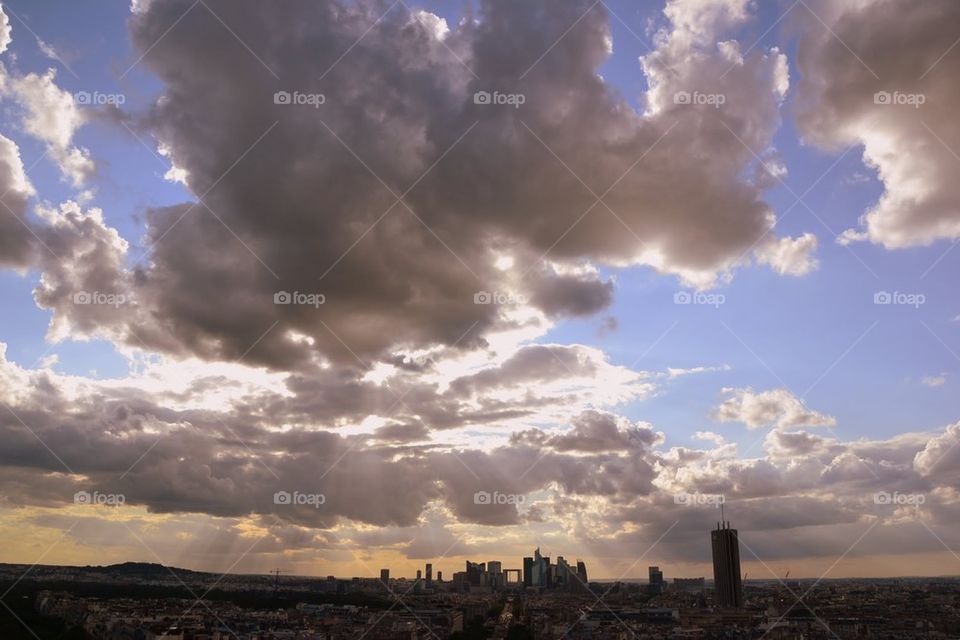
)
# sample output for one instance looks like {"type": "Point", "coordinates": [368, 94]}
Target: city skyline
{"type": "Point", "coordinates": [727, 570]}
{"type": "Point", "coordinates": [372, 284]}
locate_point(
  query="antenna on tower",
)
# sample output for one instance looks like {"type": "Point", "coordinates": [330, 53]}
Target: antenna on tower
{"type": "Point", "coordinates": [276, 582]}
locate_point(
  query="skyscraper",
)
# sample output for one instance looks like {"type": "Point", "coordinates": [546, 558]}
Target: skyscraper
{"type": "Point", "coordinates": [582, 571]}
{"type": "Point", "coordinates": [475, 571]}
{"type": "Point", "coordinates": [540, 570]}
{"type": "Point", "coordinates": [562, 574]}
{"type": "Point", "coordinates": [656, 580]}
{"type": "Point", "coordinates": [429, 575]}
{"type": "Point", "coordinates": [385, 578]}
{"type": "Point", "coordinates": [528, 572]}
{"type": "Point", "coordinates": [727, 584]}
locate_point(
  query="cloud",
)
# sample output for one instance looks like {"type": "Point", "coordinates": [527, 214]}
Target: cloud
{"type": "Point", "coordinates": [934, 381]}
{"type": "Point", "coordinates": [777, 407]}
{"type": "Point", "coordinates": [417, 383]}
{"type": "Point", "coordinates": [329, 176]}
{"type": "Point", "coordinates": [51, 115]}
{"type": "Point", "coordinates": [6, 32]}
{"type": "Point", "coordinates": [194, 457]}
{"type": "Point", "coordinates": [203, 438]}
{"type": "Point", "coordinates": [940, 455]}
{"type": "Point", "coordinates": [82, 277]}
{"type": "Point", "coordinates": [790, 256]}
{"type": "Point", "coordinates": [595, 432]}
{"type": "Point", "coordinates": [16, 241]}
{"type": "Point", "coordinates": [676, 372]}
{"type": "Point", "coordinates": [857, 87]}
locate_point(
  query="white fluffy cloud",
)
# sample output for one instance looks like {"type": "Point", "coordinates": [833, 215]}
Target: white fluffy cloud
{"type": "Point", "coordinates": [882, 74]}
{"type": "Point", "coordinates": [790, 256]}
{"type": "Point", "coordinates": [776, 407]}
{"type": "Point", "coordinates": [6, 32]}
{"type": "Point", "coordinates": [51, 115]}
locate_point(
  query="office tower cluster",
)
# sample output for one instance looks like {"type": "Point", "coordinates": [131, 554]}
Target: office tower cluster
{"type": "Point", "coordinates": [538, 572]}
{"type": "Point", "coordinates": [483, 576]}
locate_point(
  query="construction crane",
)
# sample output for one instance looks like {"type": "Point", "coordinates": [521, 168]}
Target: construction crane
{"type": "Point", "coordinates": [786, 576]}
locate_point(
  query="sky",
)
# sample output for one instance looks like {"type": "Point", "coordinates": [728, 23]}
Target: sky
{"type": "Point", "coordinates": [347, 285]}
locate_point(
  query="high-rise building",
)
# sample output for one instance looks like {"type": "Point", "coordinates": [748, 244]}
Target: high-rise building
{"type": "Point", "coordinates": [495, 575]}
{"type": "Point", "coordinates": [727, 583]}
{"type": "Point", "coordinates": [474, 573]}
{"type": "Point", "coordinates": [429, 575]}
{"type": "Point", "coordinates": [582, 571]}
{"type": "Point", "coordinates": [656, 580]}
{"type": "Point", "coordinates": [528, 572]}
{"type": "Point", "coordinates": [562, 573]}
{"type": "Point", "coordinates": [385, 578]}
{"type": "Point", "coordinates": [419, 575]}
{"type": "Point", "coordinates": [540, 571]}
